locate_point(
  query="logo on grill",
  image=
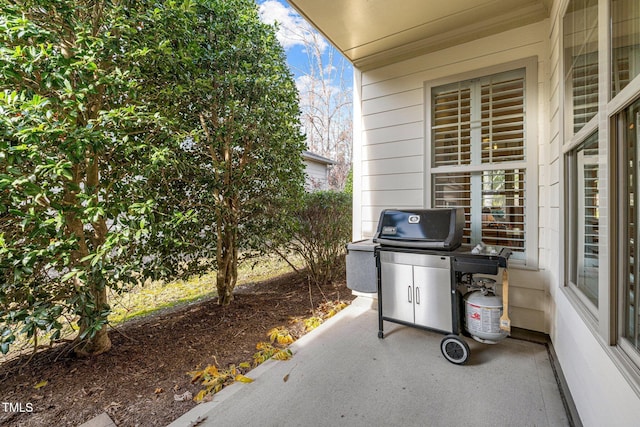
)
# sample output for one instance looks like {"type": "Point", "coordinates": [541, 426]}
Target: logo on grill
{"type": "Point", "coordinates": [414, 219]}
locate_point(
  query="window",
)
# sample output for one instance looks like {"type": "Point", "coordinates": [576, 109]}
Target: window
{"type": "Point", "coordinates": [625, 43]}
{"type": "Point", "coordinates": [580, 30]}
{"type": "Point", "coordinates": [478, 156]}
{"type": "Point", "coordinates": [629, 141]}
{"type": "Point", "coordinates": [582, 101]}
{"type": "Point", "coordinates": [583, 222]}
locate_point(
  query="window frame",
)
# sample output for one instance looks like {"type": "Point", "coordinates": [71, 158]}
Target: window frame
{"type": "Point", "coordinates": [607, 322]}
{"type": "Point", "coordinates": [571, 244]}
{"type": "Point", "coordinates": [630, 352]}
{"type": "Point", "coordinates": [529, 164]}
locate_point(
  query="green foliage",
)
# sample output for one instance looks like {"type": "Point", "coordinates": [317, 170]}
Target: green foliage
{"type": "Point", "coordinates": [348, 183]}
{"type": "Point", "coordinates": [76, 149]}
{"type": "Point", "coordinates": [137, 139]}
{"type": "Point", "coordinates": [323, 229]}
{"type": "Point", "coordinates": [240, 169]}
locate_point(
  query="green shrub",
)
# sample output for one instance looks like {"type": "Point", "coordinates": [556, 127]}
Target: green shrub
{"type": "Point", "coordinates": [323, 229]}
{"type": "Point", "coordinates": [348, 184]}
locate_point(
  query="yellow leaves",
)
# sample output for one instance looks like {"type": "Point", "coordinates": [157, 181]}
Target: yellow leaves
{"type": "Point", "coordinates": [212, 371]}
{"type": "Point", "coordinates": [280, 335]}
{"type": "Point", "coordinates": [267, 351]}
{"type": "Point", "coordinates": [311, 323]}
{"type": "Point", "coordinates": [41, 384]}
{"type": "Point", "coordinates": [214, 379]}
{"type": "Point", "coordinates": [284, 354]}
{"type": "Point", "coordinates": [241, 378]}
{"type": "Point", "coordinates": [334, 308]}
{"type": "Point", "coordinates": [325, 311]}
{"type": "Point", "coordinates": [200, 396]}
{"type": "Point", "coordinates": [331, 308]}
{"type": "Point", "coordinates": [195, 376]}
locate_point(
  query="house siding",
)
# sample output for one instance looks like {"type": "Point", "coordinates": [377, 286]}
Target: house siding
{"type": "Point", "coordinates": [317, 175]}
{"type": "Point", "coordinates": [393, 142]}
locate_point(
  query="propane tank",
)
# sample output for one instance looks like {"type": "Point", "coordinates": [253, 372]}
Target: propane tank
{"type": "Point", "coordinates": [482, 316]}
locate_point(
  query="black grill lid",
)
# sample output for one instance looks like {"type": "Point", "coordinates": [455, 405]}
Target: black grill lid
{"type": "Point", "coordinates": [421, 228]}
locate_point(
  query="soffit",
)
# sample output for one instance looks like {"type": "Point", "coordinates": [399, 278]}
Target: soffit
{"type": "Point", "coordinates": [372, 33]}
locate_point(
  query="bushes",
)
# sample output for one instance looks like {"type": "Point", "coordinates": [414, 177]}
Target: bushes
{"type": "Point", "coordinates": [323, 229]}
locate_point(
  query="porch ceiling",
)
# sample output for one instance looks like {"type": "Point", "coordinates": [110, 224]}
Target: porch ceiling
{"type": "Point", "coordinates": [373, 33]}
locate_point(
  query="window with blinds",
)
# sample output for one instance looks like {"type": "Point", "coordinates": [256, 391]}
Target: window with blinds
{"type": "Point", "coordinates": [584, 93]}
{"type": "Point", "coordinates": [454, 190]}
{"type": "Point", "coordinates": [629, 140]}
{"type": "Point", "coordinates": [625, 43]}
{"type": "Point", "coordinates": [478, 156]}
{"type": "Point", "coordinates": [580, 35]}
{"type": "Point", "coordinates": [584, 209]}
{"type": "Point", "coordinates": [452, 126]}
{"type": "Point", "coordinates": [503, 121]}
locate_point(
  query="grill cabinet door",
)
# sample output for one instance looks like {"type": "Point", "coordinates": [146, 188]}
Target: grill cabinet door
{"type": "Point", "coordinates": [397, 291]}
{"type": "Point", "coordinates": [432, 295]}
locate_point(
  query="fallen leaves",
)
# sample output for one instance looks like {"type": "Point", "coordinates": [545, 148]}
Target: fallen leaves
{"type": "Point", "coordinates": [215, 379]}
{"type": "Point", "coordinates": [40, 385]}
{"type": "Point", "coordinates": [281, 335]}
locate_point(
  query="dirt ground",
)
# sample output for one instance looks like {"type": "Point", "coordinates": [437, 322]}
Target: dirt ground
{"type": "Point", "coordinates": [135, 383]}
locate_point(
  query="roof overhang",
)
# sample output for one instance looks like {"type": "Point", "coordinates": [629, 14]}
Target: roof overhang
{"type": "Point", "coordinates": [374, 33]}
{"type": "Point", "coordinates": [313, 157]}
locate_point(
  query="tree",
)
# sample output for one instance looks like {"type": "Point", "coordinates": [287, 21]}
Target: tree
{"type": "Point", "coordinates": [325, 88]}
{"type": "Point", "coordinates": [240, 168]}
{"type": "Point", "coordinates": [326, 102]}
{"type": "Point", "coordinates": [137, 140]}
{"type": "Point", "coordinates": [77, 148]}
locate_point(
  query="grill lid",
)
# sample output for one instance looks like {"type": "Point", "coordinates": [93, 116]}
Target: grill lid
{"type": "Point", "coordinates": [421, 228]}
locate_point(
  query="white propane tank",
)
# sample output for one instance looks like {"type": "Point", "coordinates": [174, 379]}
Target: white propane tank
{"type": "Point", "coordinates": [482, 316]}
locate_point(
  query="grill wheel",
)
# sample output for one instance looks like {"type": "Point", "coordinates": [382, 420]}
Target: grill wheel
{"type": "Point", "coordinates": [454, 349]}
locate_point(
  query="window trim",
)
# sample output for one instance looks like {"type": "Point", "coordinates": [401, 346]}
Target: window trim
{"type": "Point", "coordinates": [597, 316]}
{"type": "Point", "coordinates": [620, 196]}
{"type": "Point", "coordinates": [530, 65]}
{"type": "Point", "coordinates": [568, 204]}
{"type": "Point", "coordinates": [607, 326]}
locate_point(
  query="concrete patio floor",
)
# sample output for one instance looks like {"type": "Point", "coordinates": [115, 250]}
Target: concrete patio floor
{"type": "Point", "coordinates": [343, 374]}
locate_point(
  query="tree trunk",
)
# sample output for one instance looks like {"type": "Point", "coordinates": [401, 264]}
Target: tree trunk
{"type": "Point", "coordinates": [100, 342]}
{"type": "Point", "coordinates": [227, 275]}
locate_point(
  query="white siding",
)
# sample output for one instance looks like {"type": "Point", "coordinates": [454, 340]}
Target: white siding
{"type": "Point", "coordinates": [317, 175]}
{"type": "Point", "coordinates": [393, 143]}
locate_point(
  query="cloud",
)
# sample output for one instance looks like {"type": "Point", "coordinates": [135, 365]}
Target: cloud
{"type": "Point", "coordinates": [293, 30]}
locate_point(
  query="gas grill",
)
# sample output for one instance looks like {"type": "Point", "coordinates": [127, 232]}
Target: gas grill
{"type": "Point", "coordinates": [423, 272]}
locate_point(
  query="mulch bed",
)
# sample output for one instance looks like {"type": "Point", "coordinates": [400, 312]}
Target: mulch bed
{"type": "Point", "coordinates": [136, 381]}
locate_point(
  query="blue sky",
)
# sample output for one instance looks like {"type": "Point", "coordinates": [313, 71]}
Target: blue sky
{"type": "Point", "coordinates": [293, 29]}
